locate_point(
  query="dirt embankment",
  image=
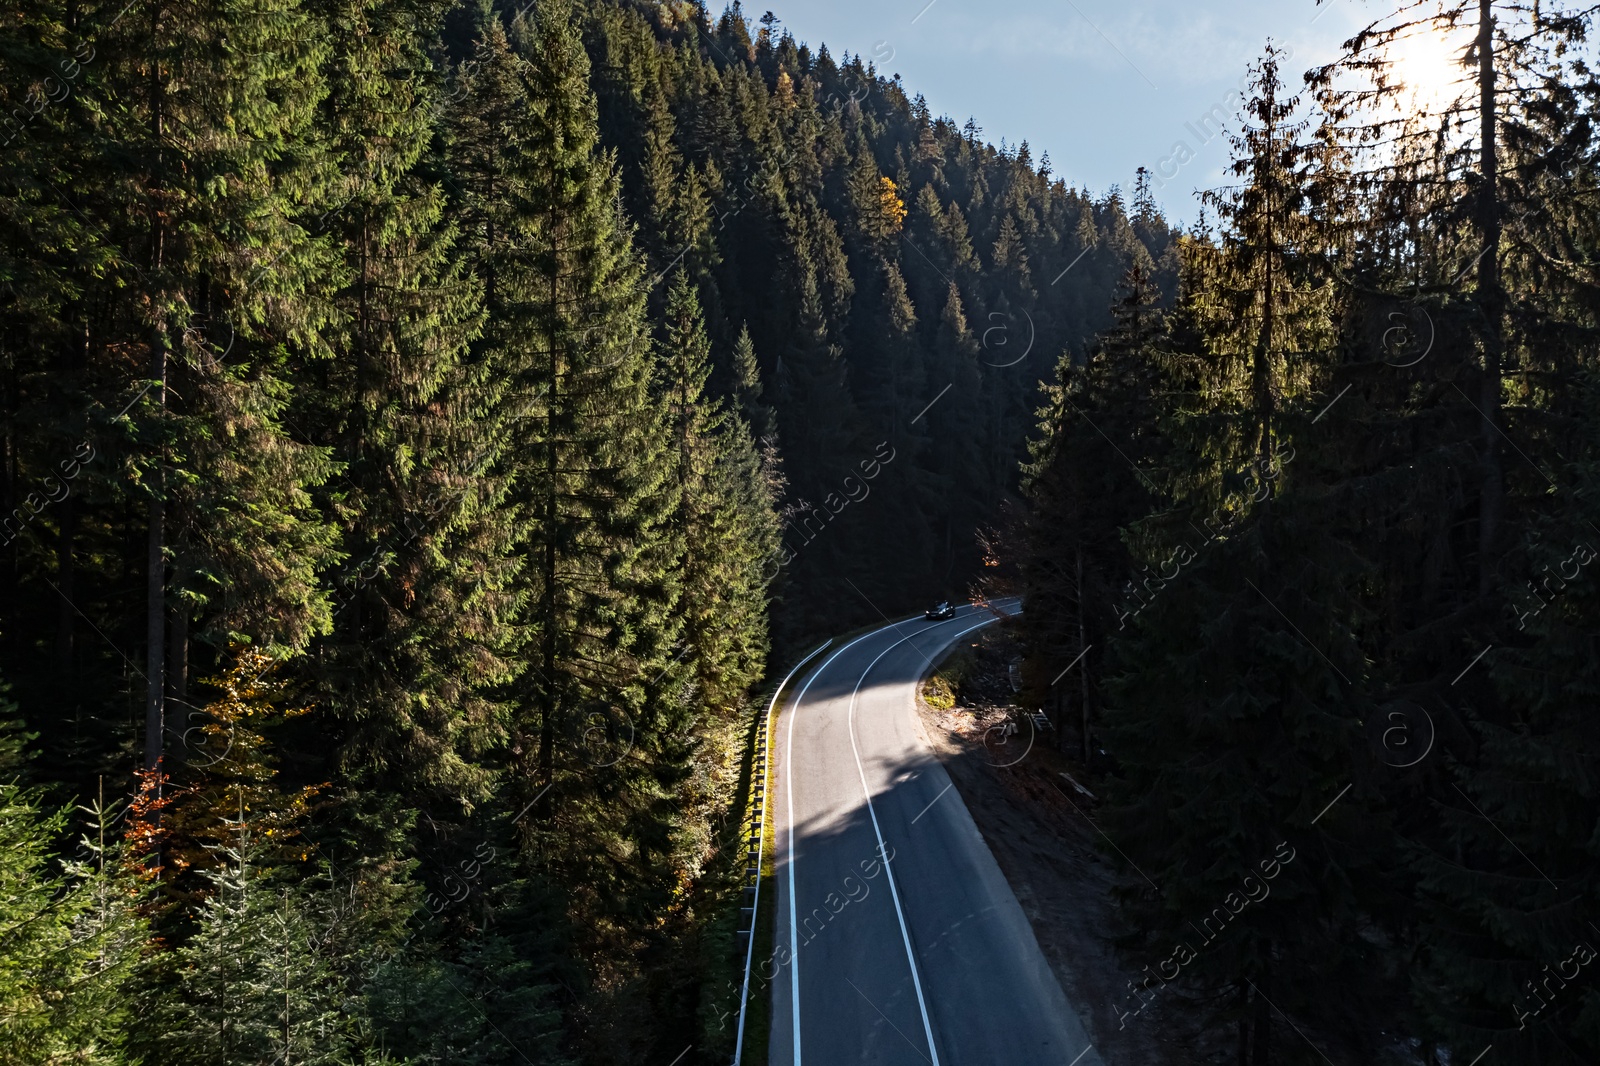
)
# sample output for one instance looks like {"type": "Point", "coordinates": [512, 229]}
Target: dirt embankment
{"type": "Point", "coordinates": [1038, 825]}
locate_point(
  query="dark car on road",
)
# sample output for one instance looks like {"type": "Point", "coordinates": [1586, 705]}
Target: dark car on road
{"type": "Point", "coordinates": [939, 611]}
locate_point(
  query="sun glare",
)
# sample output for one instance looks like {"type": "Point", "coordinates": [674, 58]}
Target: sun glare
{"type": "Point", "coordinates": [1427, 64]}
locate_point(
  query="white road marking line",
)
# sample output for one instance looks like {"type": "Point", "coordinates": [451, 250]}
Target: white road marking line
{"type": "Point", "coordinates": [931, 802]}
{"type": "Point", "coordinates": [883, 848]}
{"type": "Point", "coordinates": [788, 775]}
{"type": "Point", "coordinates": [755, 902]}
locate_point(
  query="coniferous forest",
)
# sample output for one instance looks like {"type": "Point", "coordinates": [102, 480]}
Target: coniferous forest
{"type": "Point", "coordinates": [423, 426]}
{"type": "Point", "coordinates": [427, 431]}
{"type": "Point", "coordinates": [1319, 528]}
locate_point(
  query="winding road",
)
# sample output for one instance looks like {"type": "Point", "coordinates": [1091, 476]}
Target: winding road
{"type": "Point", "coordinates": [898, 940]}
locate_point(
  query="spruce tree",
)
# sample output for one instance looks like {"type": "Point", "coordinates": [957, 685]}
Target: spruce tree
{"type": "Point", "coordinates": [72, 938]}
{"type": "Point", "coordinates": [253, 983]}
{"type": "Point", "coordinates": [724, 516]}
{"type": "Point", "coordinates": [213, 134]}
{"type": "Point", "coordinates": [1235, 694]}
{"type": "Point", "coordinates": [962, 435]}
{"type": "Point", "coordinates": [422, 599]}
{"type": "Point", "coordinates": [817, 422]}
{"type": "Point", "coordinates": [1505, 884]}
{"type": "Point", "coordinates": [748, 390]}
{"type": "Point", "coordinates": [597, 747]}
{"type": "Point", "coordinates": [1090, 476]}
{"type": "Point", "coordinates": [1465, 218]}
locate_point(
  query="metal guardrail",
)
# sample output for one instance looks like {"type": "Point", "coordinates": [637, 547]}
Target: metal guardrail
{"type": "Point", "coordinates": [761, 843]}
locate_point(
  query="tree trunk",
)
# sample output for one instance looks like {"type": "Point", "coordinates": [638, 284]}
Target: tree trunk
{"type": "Point", "coordinates": [1083, 662]}
{"type": "Point", "coordinates": [155, 518]}
{"type": "Point", "coordinates": [1262, 384]}
{"type": "Point", "coordinates": [1492, 302]}
{"type": "Point", "coordinates": [547, 727]}
{"type": "Point", "coordinates": [178, 677]}
{"type": "Point", "coordinates": [155, 630]}
{"type": "Point", "coordinates": [10, 577]}
{"type": "Point", "coordinates": [65, 612]}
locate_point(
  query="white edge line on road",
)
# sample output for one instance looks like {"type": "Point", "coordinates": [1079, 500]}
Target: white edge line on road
{"type": "Point", "coordinates": [755, 903]}
{"type": "Point", "coordinates": [883, 850]}
{"type": "Point", "coordinates": [788, 777]}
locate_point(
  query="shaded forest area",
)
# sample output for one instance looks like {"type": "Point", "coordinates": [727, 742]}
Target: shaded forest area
{"type": "Point", "coordinates": [1307, 566]}
{"type": "Point", "coordinates": [419, 426]}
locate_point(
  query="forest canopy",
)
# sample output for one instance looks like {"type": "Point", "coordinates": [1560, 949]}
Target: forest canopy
{"type": "Point", "coordinates": [421, 427]}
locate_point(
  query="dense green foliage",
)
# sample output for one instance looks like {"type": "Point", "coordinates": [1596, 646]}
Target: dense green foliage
{"type": "Point", "coordinates": [419, 423]}
{"type": "Point", "coordinates": [1322, 527]}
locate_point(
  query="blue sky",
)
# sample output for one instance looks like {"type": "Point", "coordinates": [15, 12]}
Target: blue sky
{"type": "Point", "coordinates": [1104, 85]}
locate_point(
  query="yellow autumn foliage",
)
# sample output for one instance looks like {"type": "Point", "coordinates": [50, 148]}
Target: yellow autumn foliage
{"type": "Point", "coordinates": [892, 208]}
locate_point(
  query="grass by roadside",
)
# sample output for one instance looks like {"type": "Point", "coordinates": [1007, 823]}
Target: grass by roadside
{"type": "Point", "coordinates": [941, 687]}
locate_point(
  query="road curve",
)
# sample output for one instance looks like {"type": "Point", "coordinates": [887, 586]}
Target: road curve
{"type": "Point", "coordinates": [898, 941]}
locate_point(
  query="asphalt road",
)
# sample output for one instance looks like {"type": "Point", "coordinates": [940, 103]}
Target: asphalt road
{"type": "Point", "coordinates": [925, 958]}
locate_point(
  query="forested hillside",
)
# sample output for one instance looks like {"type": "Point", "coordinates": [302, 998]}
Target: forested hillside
{"type": "Point", "coordinates": [418, 426]}
{"type": "Point", "coordinates": [1314, 542]}
{"type": "Point", "coordinates": [883, 290]}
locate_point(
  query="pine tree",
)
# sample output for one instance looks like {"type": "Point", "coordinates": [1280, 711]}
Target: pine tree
{"type": "Point", "coordinates": [491, 1002]}
{"type": "Point", "coordinates": [72, 937]}
{"type": "Point", "coordinates": [252, 984]}
{"type": "Point", "coordinates": [725, 522]}
{"type": "Point", "coordinates": [817, 424]}
{"type": "Point", "coordinates": [1504, 887]}
{"type": "Point", "coordinates": [1462, 217]}
{"type": "Point", "coordinates": [422, 602]}
{"type": "Point", "coordinates": [1009, 257]}
{"type": "Point", "coordinates": [1090, 476]}
{"type": "Point", "coordinates": [1234, 697]}
{"type": "Point", "coordinates": [596, 730]}
{"type": "Point", "coordinates": [213, 137]}
{"type": "Point", "coordinates": [962, 434]}
{"type": "Point", "coordinates": [748, 389]}
{"type": "Point", "coordinates": [894, 386]}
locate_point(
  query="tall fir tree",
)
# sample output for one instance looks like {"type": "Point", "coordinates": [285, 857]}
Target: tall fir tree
{"type": "Point", "coordinates": [1235, 696]}
{"type": "Point", "coordinates": [422, 600]}
{"type": "Point", "coordinates": [1090, 476]}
